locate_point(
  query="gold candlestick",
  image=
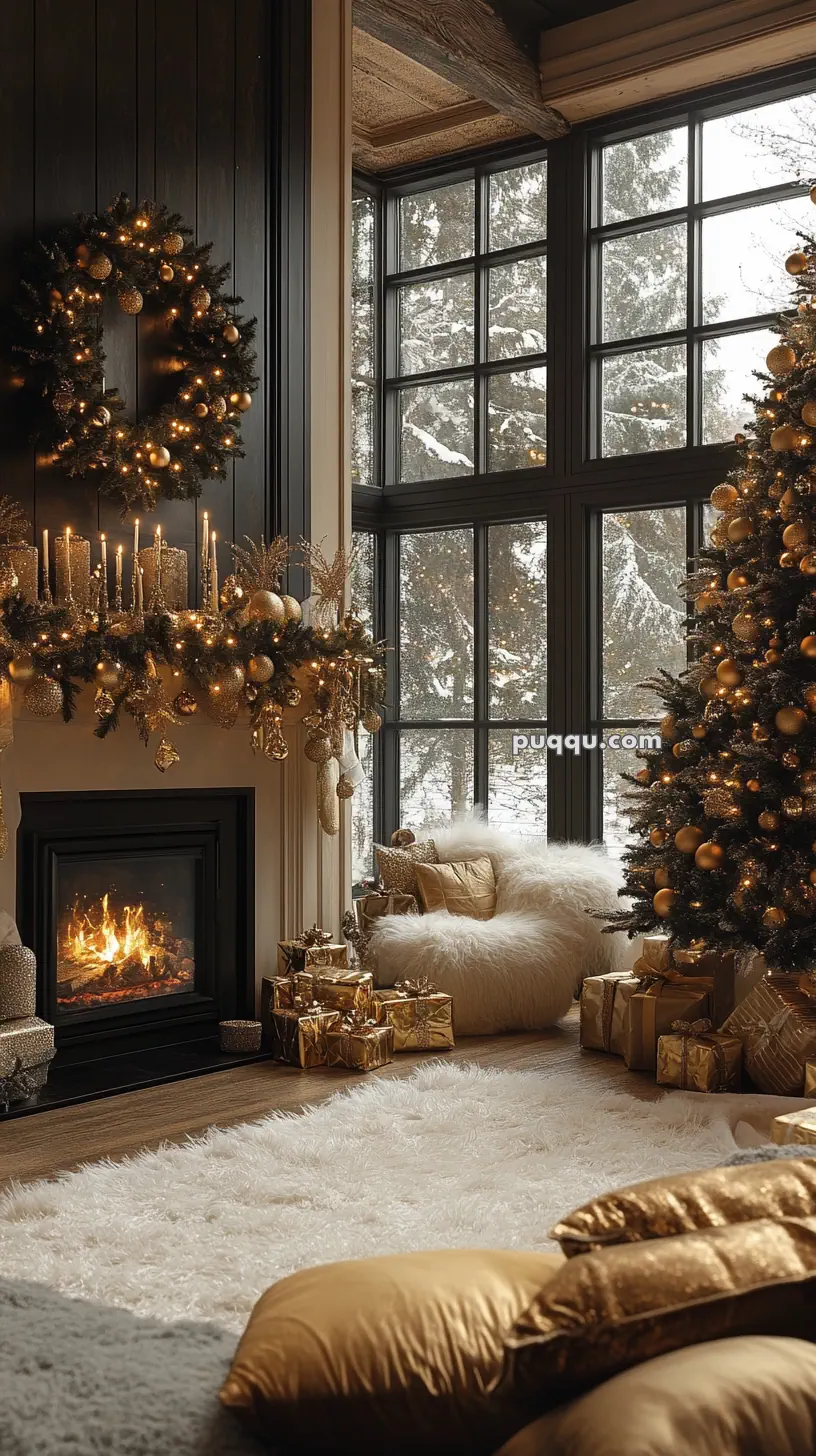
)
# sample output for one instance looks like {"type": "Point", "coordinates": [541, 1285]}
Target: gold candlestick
{"type": "Point", "coordinates": [172, 578]}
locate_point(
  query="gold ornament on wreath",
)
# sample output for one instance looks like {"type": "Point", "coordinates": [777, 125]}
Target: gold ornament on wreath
{"type": "Point", "coordinates": [81, 425]}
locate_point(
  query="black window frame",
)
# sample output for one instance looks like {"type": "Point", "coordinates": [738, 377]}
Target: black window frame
{"type": "Point", "coordinates": [575, 487]}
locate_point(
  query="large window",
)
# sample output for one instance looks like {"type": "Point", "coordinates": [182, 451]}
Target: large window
{"type": "Point", "coordinates": [363, 339]}
{"type": "Point", "coordinates": [466, 326]}
{"type": "Point", "coordinates": [544, 470]}
{"type": "Point", "coordinates": [690, 224]}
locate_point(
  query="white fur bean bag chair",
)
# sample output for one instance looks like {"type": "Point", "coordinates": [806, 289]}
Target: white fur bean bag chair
{"type": "Point", "coordinates": [519, 971]}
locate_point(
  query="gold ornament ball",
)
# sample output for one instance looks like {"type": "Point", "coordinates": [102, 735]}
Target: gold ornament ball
{"type": "Point", "coordinates": [729, 672]}
{"type": "Point", "coordinates": [372, 722]}
{"type": "Point", "coordinates": [100, 266]}
{"type": "Point", "coordinates": [201, 410]}
{"type": "Point", "coordinates": [229, 681]}
{"type": "Point", "coordinates": [231, 592]}
{"type": "Point", "coordinates": [688, 839]}
{"type": "Point", "coordinates": [318, 747]}
{"type": "Point", "coordinates": [108, 673]}
{"type": "Point", "coordinates": [736, 579]}
{"type": "Point", "coordinates": [231, 334]}
{"type": "Point", "coordinates": [8, 582]}
{"type": "Point", "coordinates": [788, 559]}
{"type": "Point", "coordinates": [781, 359]}
{"type": "Point", "coordinates": [663, 903]}
{"type": "Point", "coordinates": [167, 272]}
{"type": "Point", "coordinates": [783, 437]}
{"type": "Point", "coordinates": [709, 856]}
{"type": "Point", "coordinates": [807, 565]}
{"type": "Point", "coordinates": [705, 601]}
{"type": "Point", "coordinates": [772, 656]}
{"type": "Point", "coordinates": [185, 704]}
{"type": "Point", "coordinates": [723, 496]}
{"type": "Point", "coordinates": [658, 837]}
{"type": "Point", "coordinates": [774, 916]}
{"type": "Point", "coordinates": [159, 457]}
{"type": "Point", "coordinates": [807, 646]}
{"type": "Point", "coordinates": [807, 779]}
{"type": "Point", "coordinates": [22, 669]}
{"type": "Point", "coordinates": [796, 263]}
{"type": "Point", "coordinates": [769, 820]}
{"type": "Point", "coordinates": [740, 529]}
{"type": "Point", "coordinates": [745, 627]}
{"type": "Point", "coordinates": [790, 720]}
{"type": "Point", "coordinates": [218, 407]}
{"type": "Point", "coordinates": [345, 787]}
{"type": "Point", "coordinates": [809, 412]}
{"type": "Point", "coordinates": [790, 758]}
{"type": "Point", "coordinates": [130, 300]}
{"type": "Point", "coordinates": [266, 606]}
{"type": "Point", "coordinates": [200, 298]}
{"type": "Point", "coordinates": [792, 806]}
{"type": "Point", "coordinates": [661, 878]}
{"type": "Point", "coordinates": [43, 697]}
{"type": "Point", "coordinates": [172, 244]}
{"type": "Point", "coordinates": [796, 534]}
{"type": "Point", "coordinates": [753, 786]}
{"type": "Point", "coordinates": [260, 668]}
{"type": "Point", "coordinates": [242, 400]}
{"type": "Point", "coordinates": [293, 611]}
{"type": "Point", "coordinates": [82, 254]}
{"type": "Point", "coordinates": [709, 687]}
{"type": "Point", "coordinates": [101, 417]}
{"type": "Point", "coordinates": [809, 696]}
{"type": "Point", "coordinates": [292, 696]}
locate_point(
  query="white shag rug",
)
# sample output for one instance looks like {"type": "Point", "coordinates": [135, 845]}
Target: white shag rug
{"type": "Point", "coordinates": [452, 1157]}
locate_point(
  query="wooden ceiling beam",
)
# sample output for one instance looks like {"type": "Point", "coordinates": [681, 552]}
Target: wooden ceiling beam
{"type": "Point", "coordinates": [429, 123]}
{"type": "Point", "coordinates": [466, 42]}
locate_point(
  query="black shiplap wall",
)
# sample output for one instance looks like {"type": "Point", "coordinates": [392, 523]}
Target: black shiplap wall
{"type": "Point", "coordinates": [167, 98]}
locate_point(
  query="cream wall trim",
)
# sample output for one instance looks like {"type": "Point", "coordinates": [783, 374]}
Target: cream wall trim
{"type": "Point", "coordinates": [325, 881]}
{"type": "Point", "coordinates": [647, 51]}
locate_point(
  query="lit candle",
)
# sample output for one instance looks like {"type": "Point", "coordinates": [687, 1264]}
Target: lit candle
{"type": "Point", "coordinates": [68, 562]}
{"type": "Point", "coordinates": [205, 557]}
{"type": "Point", "coordinates": [104, 546]}
{"type": "Point", "coordinates": [46, 569]}
{"type": "Point", "coordinates": [214, 576]}
{"type": "Point", "coordinates": [157, 542]}
{"type": "Point", "coordinates": [136, 539]}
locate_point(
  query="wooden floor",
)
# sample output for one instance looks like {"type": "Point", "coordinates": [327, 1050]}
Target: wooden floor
{"type": "Point", "coordinates": [47, 1143]}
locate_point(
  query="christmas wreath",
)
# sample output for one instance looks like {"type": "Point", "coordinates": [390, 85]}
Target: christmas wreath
{"type": "Point", "coordinates": [146, 256]}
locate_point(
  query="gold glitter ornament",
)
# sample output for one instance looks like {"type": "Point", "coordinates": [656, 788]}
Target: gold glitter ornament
{"type": "Point", "coordinates": [792, 807]}
{"type": "Point", "coordinates": [99, 266]}
{"type": "Point", "coordinates": [130, 300]}
{"type": "Point", "coordinates": [746, 627]}
{"type": "Point", "coordinates": [372, 722]}
{"type": "Point", "coordinates": [231, 592]}
{"type": "Point", "coordinates": [260, 668]}
{"type": "Point", "coordinates": [790, 720]}
{"type": "Point", "coordinates": [200, 298]}
{"type": "Point", "coordinates": [769, 820]}
{"type": "Point", "coordinates": [108, 673]}
{"type": "Point", "coordinates": [229, 681]}
{"type": "Point", "coordinates": [185, 704]}
{"type": "Point", "coordinates": [218, 407]}
{"type": "Point", "coordinates": [172, 244]}
{"type": "Point", "coordinates": [292, 609]}
{"type": "Point", "coordinates": [718, 804]}
{"type": "Point", "coordinates": [796, 534]}
{"type": "Point", "coordinates": [668, 727]}
{"type": "Point", "coordinates": [166, 755]}
{"type": "Point", "coordinates": [781, 359]}
{"type": "Point", "coordinates": [103, 703]}
{"type": "Point", "coordinates": [345, 787]}
{"type": "Point", "coordinates": [318, 747]}
{"type": "Point", "coordinates": [774, 917]}
{"type": "Point", "coordinates": [292, 697]}
{"type": "Point", "coordinates": [22, 669]}
{"type": "Point", "coordinates": [43, 697]}
{"type": "Point", "coordinates": [266, 606]}
{"type": "Point", "coordinates": [723, 496]}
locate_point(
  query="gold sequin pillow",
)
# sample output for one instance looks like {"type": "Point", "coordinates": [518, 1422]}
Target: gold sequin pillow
{"type": "Point", "coordinates": [467, 889]}
{"type": "Point", "coordinates": [607, 1311]}
{"type": "Point", "coordinates": [397, 867]}
{"type": "Point", "coordinates": [784, 1188]}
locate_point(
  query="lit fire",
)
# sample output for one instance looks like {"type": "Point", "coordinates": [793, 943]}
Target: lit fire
{"type": "Point", "coordinates": [97, 939]}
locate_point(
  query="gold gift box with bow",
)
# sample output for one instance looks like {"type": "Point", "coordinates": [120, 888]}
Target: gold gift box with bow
{"type": "Point", "coordinates": [650, 1013]}
{"type": "Point", "coordinates": [421, 1016]}
{"type": "Point", "coordinates": [795, 1127]}
{"type": "Point", "coordinates": [298, 1036]}
{"type": "Point", "coordinates": [359, 1044]}
{"type": "Point", "coordinates": [313, 947]}
{"type": "Point", "coordinates": [335, 988]}
{"type": "Point", "coordinates": [603, 1011]}
{"type": "Point", "coordinates": [695, 1058]}
{"type": "Point", "coordinates": [277, 994]}
{"type": "Point", "coordinates": [776, 1024]}
{"type": "Point", "coordinates": [24, 1042]}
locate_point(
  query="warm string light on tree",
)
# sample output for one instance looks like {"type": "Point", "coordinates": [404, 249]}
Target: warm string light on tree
{"type": "Point", "coordinates": [726, 807]}
{"type": "Point", "coordinates": [146, 256]}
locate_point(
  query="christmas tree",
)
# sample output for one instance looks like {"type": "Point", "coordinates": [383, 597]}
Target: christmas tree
{"type": "Point", "coordinates": [725, 809]}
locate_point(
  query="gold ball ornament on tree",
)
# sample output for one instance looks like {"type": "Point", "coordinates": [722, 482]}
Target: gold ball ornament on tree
{"type": "Point", "coordinates": [709, 856]}
{"type": "Point", "coordinates": [108, 673]}
{"type": "Point", "coordinates": [167, 272]}
{"type": "Point", "coordinates": [809, 413]}
{"type": "Point", "coordinates": [266, 606]}
{"type": "Point", "coordinates": [706, 601]}
{"type": "Point", "coordinates": [796, 534]}
{"type": "Point", "coordinates": [292, 609]}
{"type": "Point", "coordinates": [664, 902]}
{"type": "Point", "coordinates": [795, 264]}
{"type": "Point", "coordinates": [43, 697]}
{"type": "Point", "coordinates": [807, 565]}
{"type": "Point", "coordinates": [229, 682]}
{"type": "Point", "coordinates": [130, 300]}
{"type": "Point", "coordinates": [185, 704]}
{"type": "Point", "coordinates": [218, 407]}
{"type": "Point", "coordinates": [292, 696]}
{"type": "Point", "coordinates": [736, 579]}
{"type": "Point", "coordinates": [781, 359]}
{"type": "Point", "coordinates": [723, 496]}
{"type": "Point", "coordinates": [746, 627]}
{"type": "Point", "coordinates": [699, 730]}
{"type": "Point", "coordinates": [230, 334]}
{"type": "Point", "coordinates": [740, 529]}
{"type": "Point", "coordinates": [774, 917]}
{"type": "Point", "coordinates": [231, 593]}
{"type": "Point", "coordinates": [260, 668]}
{"type": "Point", "coordinates": [172, 244]}
{"type": "Point", "coordinates": [22, 669]}
{"type": "Point", "coordinates": [709, 687]}
{"type": "Point", "coordinates": [200, 298]}
{"type": "Point", "coordinates": [100, 266]}
{"type": "Point", "coordinates": [784, 437]}
{"type": "Point", "coordinates": [242, 400]}
{"type": "Point", "coordinates": [688, 839]}
{"type": "Point", "coordinates": [809, 696]}
{"type": "Point", "coordinates": [807, 646]}
{"type": "Point", "coordinates": [201, 410]}
{"type": "Point", "coordinates": [729, 672]}
{"type": "Point", "coordinates": [792, 806]}
{"type": "Point", "coordinates": [769, 820]}
{"type": "Point", "coordinates": [788, 559]}
{"type": "Point", "coordinates": [790, 720]}
{"type": "Point", "coordinates": [658, 837]}
{"type": "Point", "coordinates": [101, 417]}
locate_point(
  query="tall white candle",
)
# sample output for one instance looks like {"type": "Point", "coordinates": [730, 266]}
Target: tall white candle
{"type": "Point", "coordinates": [68, 561]}
{"type": "Point", "coordinates": [118, 566]}
{"type": "Point", "coordinates": [46, 567]}
{"type": "Point", "coordinates": [103, 543]}
{"type": "Point", "coordinates": [205, 558]}
{"type": "Point", "coordinates": [214, 575]}
{"type": "Point", "coordinates": [136, 538]}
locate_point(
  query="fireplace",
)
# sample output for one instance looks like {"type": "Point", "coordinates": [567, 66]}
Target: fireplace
{"type": "Point", "coordinates": [139, 908]}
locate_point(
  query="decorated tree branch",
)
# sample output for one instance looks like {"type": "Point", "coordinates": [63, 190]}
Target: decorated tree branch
{"type": "Point", "coordinates": [725, 810]}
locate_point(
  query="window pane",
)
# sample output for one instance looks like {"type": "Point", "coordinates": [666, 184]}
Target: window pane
{"type": "Point", "coordinates": [436, 324]}
{"type": "Point", "coordinates": [517, 419]}
{"type": "Point", "coordinates": [362, 434]}
{"type": "Point", "coordinates": [727, 376]}
{"type": "Point", "coordinates": [361, 581]}
{"type": "Point", "coordinates": [362, 813]}
{"type": "Point", "coordinates": [437, 226]}
{"type": "Point", "coordinates": [743, 257]}
{"type": "Point", "coordinates": [517, 620]}
{"type": "Point", "coordinates": [517, 784]}
{"type": "Point", "coordinates": [644, 283]}
{"type": "Point", "coordinates": [436, 430]}
{"type": "Point", "coordinates": [518, 206]}
{"type": "Point", "coordinates": [517, 319]}
{"type": "Point", "coordinates": [362, 240]}
{"type": "Point", "coordinates": [644, 401]}
{"type": "Point", "coordinates": [362, 334]}
{"type": "Point", "coordinates": [759, 148]}
{"type": "Point", "coordinates": [643, 564]}
{"type": "Point", "coordinates": [645, 175]}
{"type": "Point", "coordinates": [436, 624]}
{"type": "Point", "coordinates": [436, 776]}
{"type": "Point", "coordinates": [617, 832]}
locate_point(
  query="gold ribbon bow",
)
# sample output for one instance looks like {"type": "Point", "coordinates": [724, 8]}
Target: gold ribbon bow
{"type": "Point", "coordinates": [312, 937]}
{"type": "Point", "coordinates": [703, 1030]}
{"type": "Point", "coordinates": [420, 986]}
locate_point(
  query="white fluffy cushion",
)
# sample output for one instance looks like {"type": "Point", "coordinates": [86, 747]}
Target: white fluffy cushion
{"type": "Point", "coordinates": [520, 970]}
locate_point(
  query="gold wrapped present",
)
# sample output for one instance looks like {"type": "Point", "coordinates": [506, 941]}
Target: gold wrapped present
{"type": "Point", "coordinates": [695, 1058]}
{"type": "Point", "coordinates": [776, 1024]}
{"type": "Point", "coordinates": [650, 1013]}
{"type": "Point", "coordinates": [604, 1000]}
{"type": "Point", "coordinates": [421, 1016]}
{"type": "Point", "coordinates": [24, 1043]}
{"type": "Point", "coordinates": [795, 1127]}
{"type": "Point", "coordinates": [294, 956]}
{"type": "Point", "coordinates": [277, 994]}
{"type": "Point", "coordinates": [661, 954]}
{"type": "Point", "coordinates": [810, 1080]}
{"type": "Point", "coordinates": [359, 1044]}
{"type": "Point", "coordinates": [336, 989]}
{"type": "Point", "coordinates": [656, 953]}
{"type": "Point", "coordinates": [298, 1036]}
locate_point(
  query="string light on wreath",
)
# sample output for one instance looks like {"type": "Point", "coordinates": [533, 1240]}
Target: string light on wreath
{"type": "Point", "coordinates": [147, 258]}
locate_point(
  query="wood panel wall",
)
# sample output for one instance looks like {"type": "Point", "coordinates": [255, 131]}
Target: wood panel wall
{"type": "Point", "coordinates": [167, 98]}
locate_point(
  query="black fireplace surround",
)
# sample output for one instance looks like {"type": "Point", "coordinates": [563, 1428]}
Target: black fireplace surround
{"type": "Point", "coordinates": [189, 850]}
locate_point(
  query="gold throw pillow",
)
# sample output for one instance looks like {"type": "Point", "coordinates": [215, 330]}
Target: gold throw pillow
{"type": "Point", "coordinates": [615, 1308]}
{"type": "Point", "coordinates": [785, 1188]}
{"type": "Point", "coordinates": [461, 889]}
{"type": "Point", "coordinates": [397, 867]}
{"type": "Point", "coordinates": [395, 1354]}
